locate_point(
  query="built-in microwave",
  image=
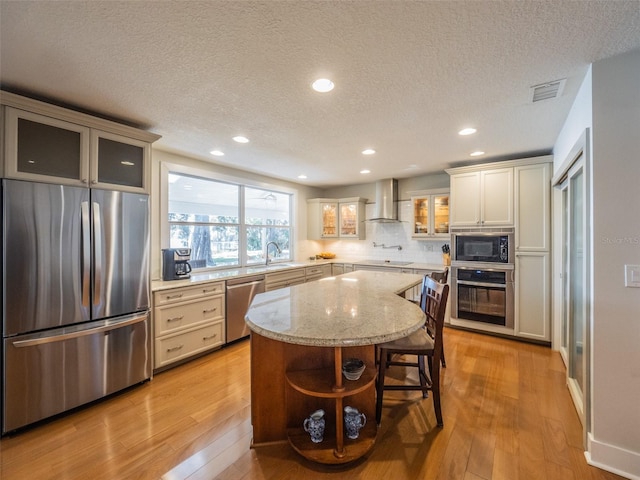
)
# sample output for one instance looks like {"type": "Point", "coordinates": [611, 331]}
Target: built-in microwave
{"type": "Point", "coordinates": [486, 247]}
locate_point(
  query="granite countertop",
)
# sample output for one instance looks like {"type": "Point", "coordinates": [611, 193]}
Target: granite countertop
{"type": "Point", "coordinates": [357, 308]}
{"type": "Point", "coordinates": [226, 274]}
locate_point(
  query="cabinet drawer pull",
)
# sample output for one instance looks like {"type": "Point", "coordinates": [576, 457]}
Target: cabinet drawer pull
{"type": "Point", "coordinates": [175, 319]}
{"type": "Point", "coordinates": [205, 290]}
{"type": "Point", "coordinates": [209, 337]}
{"type": "Point", "coordinates": [177, 295]}
{"type": "Point", "coordinates": [209, 310]}
{"type": "Point", "coordinates": [174, 349]}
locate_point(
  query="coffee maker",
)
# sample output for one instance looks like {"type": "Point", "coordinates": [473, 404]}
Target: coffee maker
{"type": "Point", "coordinates": [175, 263]}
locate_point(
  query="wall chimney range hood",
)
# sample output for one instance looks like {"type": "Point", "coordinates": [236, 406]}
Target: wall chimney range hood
{"type": "Point", "coordinates": [386, 206]}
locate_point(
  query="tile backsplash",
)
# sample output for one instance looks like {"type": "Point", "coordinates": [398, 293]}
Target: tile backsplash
{"type": "Point", "coordinates": [389, 234]}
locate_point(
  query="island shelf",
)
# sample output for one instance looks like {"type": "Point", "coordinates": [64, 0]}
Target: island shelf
{"type": "Point", "coordinates": [328, 383]}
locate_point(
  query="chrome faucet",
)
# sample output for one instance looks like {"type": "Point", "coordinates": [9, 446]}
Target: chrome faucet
{"type": "Point", "coordinates": [266, 251]}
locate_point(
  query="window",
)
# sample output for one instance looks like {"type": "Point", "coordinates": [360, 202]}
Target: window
{"type": "Point", "coordinates": [227, 224]}
{"type": "Point", "coordinates": [268, 220]}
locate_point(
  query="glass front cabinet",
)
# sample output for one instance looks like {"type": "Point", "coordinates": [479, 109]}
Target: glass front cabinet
{"type": "Point", "coordinates": [52, 144]}
{"type": "Point", "coordinates": [430, 213]}
{"type": "Point", "coordinates": [352, 218]}
{"type": "Point", "coordinates": [335, 218]}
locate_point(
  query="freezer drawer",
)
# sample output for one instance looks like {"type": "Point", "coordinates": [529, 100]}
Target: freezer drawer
{"type": "Point", "coordinates": [50, 372]}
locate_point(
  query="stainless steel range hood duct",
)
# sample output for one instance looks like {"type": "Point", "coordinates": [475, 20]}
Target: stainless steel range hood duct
{"type": "Point", "coordinates": [386, 206]}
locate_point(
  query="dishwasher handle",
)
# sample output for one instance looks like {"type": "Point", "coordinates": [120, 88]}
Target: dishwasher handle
{"type": "Point", "coordinates": [243, 285]}
{"type": "Point", "coordinates": [245, 280]}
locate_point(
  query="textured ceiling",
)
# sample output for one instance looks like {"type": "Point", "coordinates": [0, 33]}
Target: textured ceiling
{"type": "Point", "coordinates": [408, 75]}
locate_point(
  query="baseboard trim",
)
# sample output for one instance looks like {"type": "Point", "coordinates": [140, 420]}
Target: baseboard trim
{"type": "Point", "coordinates": [613, 459]}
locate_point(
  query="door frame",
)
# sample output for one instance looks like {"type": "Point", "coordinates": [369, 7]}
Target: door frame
{"type": "Point", "coordinates": [580, 153]}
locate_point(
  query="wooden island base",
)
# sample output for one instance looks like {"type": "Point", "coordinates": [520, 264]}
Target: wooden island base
{"type": "Point", "coordinates": [289, 382]}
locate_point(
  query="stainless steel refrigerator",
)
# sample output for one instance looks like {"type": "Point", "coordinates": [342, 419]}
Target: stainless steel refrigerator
{"type": "Point", "coordinates": [75, 283]}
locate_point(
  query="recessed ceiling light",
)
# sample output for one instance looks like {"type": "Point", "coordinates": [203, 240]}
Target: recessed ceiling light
{"type": "Point", "coordinates": [467, 131]}
{"type": "Point", "coordinates": [302, 176]}
{"type": "Point", "coordinates": [322, 85]}
{"type": "Point", "coordinates": [368, 151]}
{"type": "Point", "coordinates": [365, 171]}
{"type": "Point", "coordinates": [241, 139]}
{"type": "Point", "coordinates": [217, 153]}
{"type": "Point", "coordinates": [476, 153]}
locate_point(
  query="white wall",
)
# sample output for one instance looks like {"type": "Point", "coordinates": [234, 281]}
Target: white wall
{"type": "Point", "coordinates": [579, 118]}
{"type": "Point", "coordinates": [613, 114]}
{"type": "Point", "coordinates": [616, 242]}
{"type": "Point", "coordinates": [570, 137]}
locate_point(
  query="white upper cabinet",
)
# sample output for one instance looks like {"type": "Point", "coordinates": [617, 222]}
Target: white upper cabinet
{"type": "Point", "coordinates": [352, 213]}
{"type": "Point", "coordinates": [335, 218]}
{"type": "Point", "coordinates": [46, 143]}
{"type": "Point", "coordinates": [533, 207]}
{"type": "Point", "coordinates": [430, 210]}
{"type": "Point", "coordinates": [482, 198]}
{"type": "Point", "coordinates": [322, 218]}
{"type": "Point", "coordinates": [119, 162]}
{"type": "Point", "coordinates": [39, 147]}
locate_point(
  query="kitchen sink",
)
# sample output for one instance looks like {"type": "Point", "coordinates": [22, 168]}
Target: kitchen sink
{"type": "Point", "coordinates": [275, 266]}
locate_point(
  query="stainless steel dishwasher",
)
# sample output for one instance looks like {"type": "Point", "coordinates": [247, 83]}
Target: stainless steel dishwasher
{"type": "Point", "coordinates": [240, 292]}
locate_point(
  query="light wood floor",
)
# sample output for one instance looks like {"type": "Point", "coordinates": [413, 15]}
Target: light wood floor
{"type": "Point", "coordinates": [507, 415]}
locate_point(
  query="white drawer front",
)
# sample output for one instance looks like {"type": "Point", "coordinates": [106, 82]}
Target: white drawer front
{"type": "Point", "coordinates": [173, 295]}
{"type": "Point", "coordinates": [175, 316]}
{"type": "Point", "coordinates": [284, 279]}
{"type": "Point", "coordinates": [314, 271]}
{"type": "Point", "coordinates": [284, 284]}
{"type": "Point", "coordinates": [173, 348]}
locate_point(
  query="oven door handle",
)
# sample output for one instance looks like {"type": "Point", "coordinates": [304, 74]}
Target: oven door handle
{"type": "Point", "coordinates": [482, 284]}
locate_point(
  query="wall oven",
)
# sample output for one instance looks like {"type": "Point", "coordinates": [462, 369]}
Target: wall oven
{"type": "Point", "coordinates": [483, 294]}
{"type": "Point", "coordinates": [485, 246]}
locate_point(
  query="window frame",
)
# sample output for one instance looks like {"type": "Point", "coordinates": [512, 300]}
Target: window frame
{"type": "Point", "coordinates": [167, 167]}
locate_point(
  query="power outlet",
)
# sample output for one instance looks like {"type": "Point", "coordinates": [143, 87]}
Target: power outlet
{"type": "Point", "coordinates": [632, 276]}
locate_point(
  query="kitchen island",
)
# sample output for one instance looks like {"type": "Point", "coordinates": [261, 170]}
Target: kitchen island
{"type": "Point", "coordinates": [299, 337]}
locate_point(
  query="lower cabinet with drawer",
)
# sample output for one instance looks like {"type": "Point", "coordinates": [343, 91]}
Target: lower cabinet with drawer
{"type": "Point", "coordinates": [285, 278]}
{"type": "Point", "coordinates": [317, 272]}
{"type": "Point", "coordinates": [187, 321]}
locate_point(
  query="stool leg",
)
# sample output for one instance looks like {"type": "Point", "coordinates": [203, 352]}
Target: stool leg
{"type": "Point", "coordinates": [422, 374]}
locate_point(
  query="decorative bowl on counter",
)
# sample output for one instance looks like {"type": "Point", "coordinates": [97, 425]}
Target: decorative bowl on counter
{"type": "Point", "coordinates": [352, 368]}
{"type": "Point", "coordinates": [326, 255]}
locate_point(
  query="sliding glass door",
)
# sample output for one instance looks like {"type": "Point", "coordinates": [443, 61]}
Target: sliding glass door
{"type": "Point", "coordinates": [575, 334]}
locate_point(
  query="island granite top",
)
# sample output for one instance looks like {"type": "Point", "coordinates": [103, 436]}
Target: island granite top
{"type": "Point", "coordinates": [357, 308]}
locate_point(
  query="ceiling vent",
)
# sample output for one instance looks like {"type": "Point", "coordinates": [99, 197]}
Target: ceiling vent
{"type": "Point", "coordinates": [546, 91]}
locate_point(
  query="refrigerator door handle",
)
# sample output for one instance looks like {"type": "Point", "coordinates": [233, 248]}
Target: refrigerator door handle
{"type": "Point", "coordinates": [81, 333]}
{"type": "Point", "coordinates": [97, 246]}
{"type": "Point", "coordinates": [86, 253]}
